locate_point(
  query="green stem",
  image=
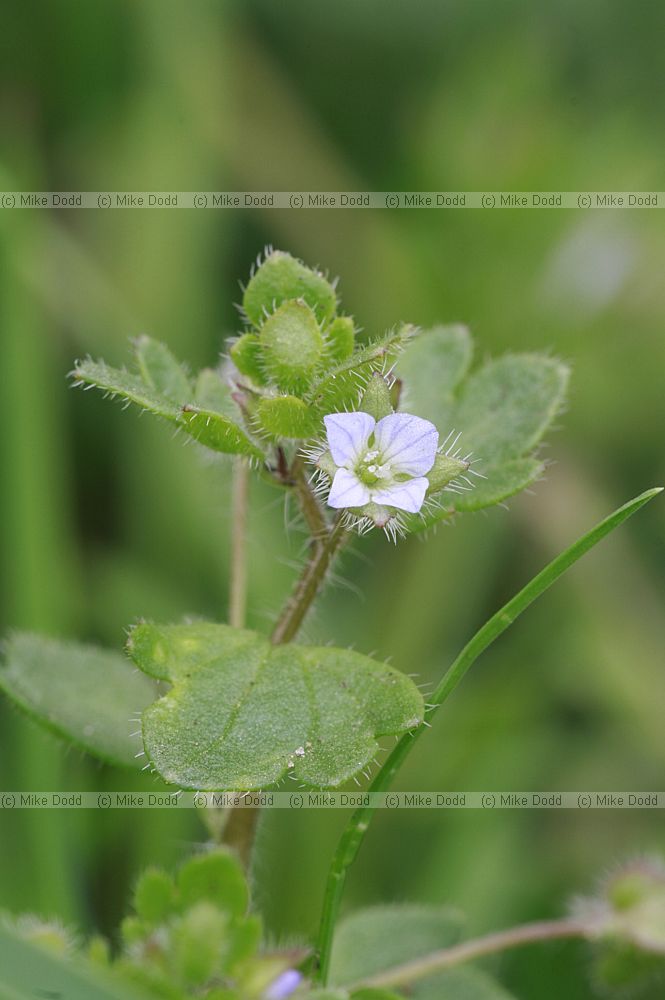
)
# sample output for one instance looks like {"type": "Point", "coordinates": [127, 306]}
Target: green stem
{"type": "Point", "coordinates": [308, 585]}
{"type": "Point", "coordinates": [468, 951]}
{"type": "Point", "coordinates": [238, 573]}
{"type": "Point", "coordinates": [356, 829]}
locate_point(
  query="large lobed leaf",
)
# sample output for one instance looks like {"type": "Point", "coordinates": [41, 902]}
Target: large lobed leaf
{"type": "Point", "coordinates": [85, 694]}
{"type": "Point", "coordinates": [243, 714]}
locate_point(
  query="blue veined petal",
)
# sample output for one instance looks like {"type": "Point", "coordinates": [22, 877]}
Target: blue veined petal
{"type": "Point", "coordinates": [408, 443]}
{"type": "Point", "coordinates": [348, 434]}
{"type": "Point", "coordinates": [407, 496]}
{"type": "Point", "coordinates": [348, 491]}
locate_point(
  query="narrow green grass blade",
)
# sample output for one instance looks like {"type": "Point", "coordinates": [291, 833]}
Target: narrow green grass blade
{"type": "Point", "coordinates": [354, 834]}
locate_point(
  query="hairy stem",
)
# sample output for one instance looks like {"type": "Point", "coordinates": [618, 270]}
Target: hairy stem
{"type": "Point", "coordinates": [468, 951]}
{"type": "Point", "coordinates": [355, 831]}
{"type": "Point", "coordinates": [309, 504]}
{"type": "Point", "coordinates": [323, 552]}
{"type": "Point", "coordinates": [241, 824]}
{"type": "Point", "coordinates": [238, 575]}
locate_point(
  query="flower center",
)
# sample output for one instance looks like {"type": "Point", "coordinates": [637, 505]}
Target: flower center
{"type": "Point", "coordinates": [370, 472]}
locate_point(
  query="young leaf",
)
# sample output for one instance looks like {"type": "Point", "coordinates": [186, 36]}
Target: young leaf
{"type": "Point", "coordinates": [84, 694]}
{"type": "Point", "coordinates": [118, 382]}
{"type": "Point", "coordinates": [242, 713]}
{"type": "Point", "coordinates": [340, 388]}
{"type": "Point", "coordinates": [160, 370]}
{"type": "Point", "coordinates": [281, 277]}
{"type": "Point", "coordinates": [212, 393]}
{"type": "Point", "coordinates": [380, 937]}
{"type": "Point", "coordinates": [218, 432]}
{"type": "Point", "coordinates": [431, 368]}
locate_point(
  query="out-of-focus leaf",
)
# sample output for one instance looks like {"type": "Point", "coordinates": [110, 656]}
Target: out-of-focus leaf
{"type": "Point", "coordinates": [242, 713]}
{"type": "Point", "coordinates": [431, 367]}
{"type": "Point", "coordinates": [85, 694]}
{"type": "Point", "coordinates": [464, 983]}
{"type": "Point", "coordinates": [506, 406]}
{"type": "Point", "coordinates": [373, 940]}
{"type": "Point", "coordinates": [28, 970]}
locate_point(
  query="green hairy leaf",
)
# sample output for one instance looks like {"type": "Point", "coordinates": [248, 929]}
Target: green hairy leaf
{"type": "Point", "coordinates": [217, 432]}
{"type": "Point", "coordinates": [341, 387]}
{"type": "Point", "coordinates": [505, 408]}
{"type": "Point", "coordinates": [133, 388]}
{"type": "Point", "coordinates": [243, 714]}
{"type": "Point", "coordinates": [432, 366]}
{"type": "Point", "coordinates": [381, 937]}
{"type": "Point", "coordinates": [84, 694]}
{"type": "Point", "coordinates": [161, 371]}
{"type": "Point", "coordinates": [288, 417]}
{"type": "Point", "coordinates": [163, 389]}
{"type": "Point", "coordinates": [501, 412]}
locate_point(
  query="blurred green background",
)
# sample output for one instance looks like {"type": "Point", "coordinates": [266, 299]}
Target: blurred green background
{"type": "Point", "coordinates": [105, 517]}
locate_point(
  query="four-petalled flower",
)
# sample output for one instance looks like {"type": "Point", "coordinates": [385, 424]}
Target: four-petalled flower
{"type": "Point", "coordinates": [384, 462]}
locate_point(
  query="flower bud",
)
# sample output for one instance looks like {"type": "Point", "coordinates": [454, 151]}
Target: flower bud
{"type": "Point", "coordinates": [340, 338]}
{"type": "Point", "coordinates": [292, 346]}
{"type": "Point", "coordinates": [279, 278]}
{"type": "Point", "coordinates": [444, 471]}
{"type": "Point", "coordinates": [245, 353]}
{"type": "Point", "coordinates": [376, 398]}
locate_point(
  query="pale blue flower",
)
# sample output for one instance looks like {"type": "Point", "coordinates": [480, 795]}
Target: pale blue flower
{"type": "Point", "coordinates": [382, 462]}
{"type": "Point", "coordinates": [284, 985]}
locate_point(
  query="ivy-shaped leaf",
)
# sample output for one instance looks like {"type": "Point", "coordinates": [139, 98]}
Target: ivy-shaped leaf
{"type": "Point", "coordinates": [243, 714]}
{"type": "Point", "coordinates": [431, 367]}
{"type": "Point", "coordinates": [501, 412]}
{"type": "Point", "coordinates": [85, 694]}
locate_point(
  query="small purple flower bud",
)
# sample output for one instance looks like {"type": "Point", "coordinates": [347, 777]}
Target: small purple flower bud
{"type": "Point", "coordinates": [284, 985]}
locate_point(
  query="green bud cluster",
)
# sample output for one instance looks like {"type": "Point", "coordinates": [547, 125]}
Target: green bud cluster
{"type": "Point", "coordinates": [298, 360]}
{"type": "Point", "coordinates": [192, 935]}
